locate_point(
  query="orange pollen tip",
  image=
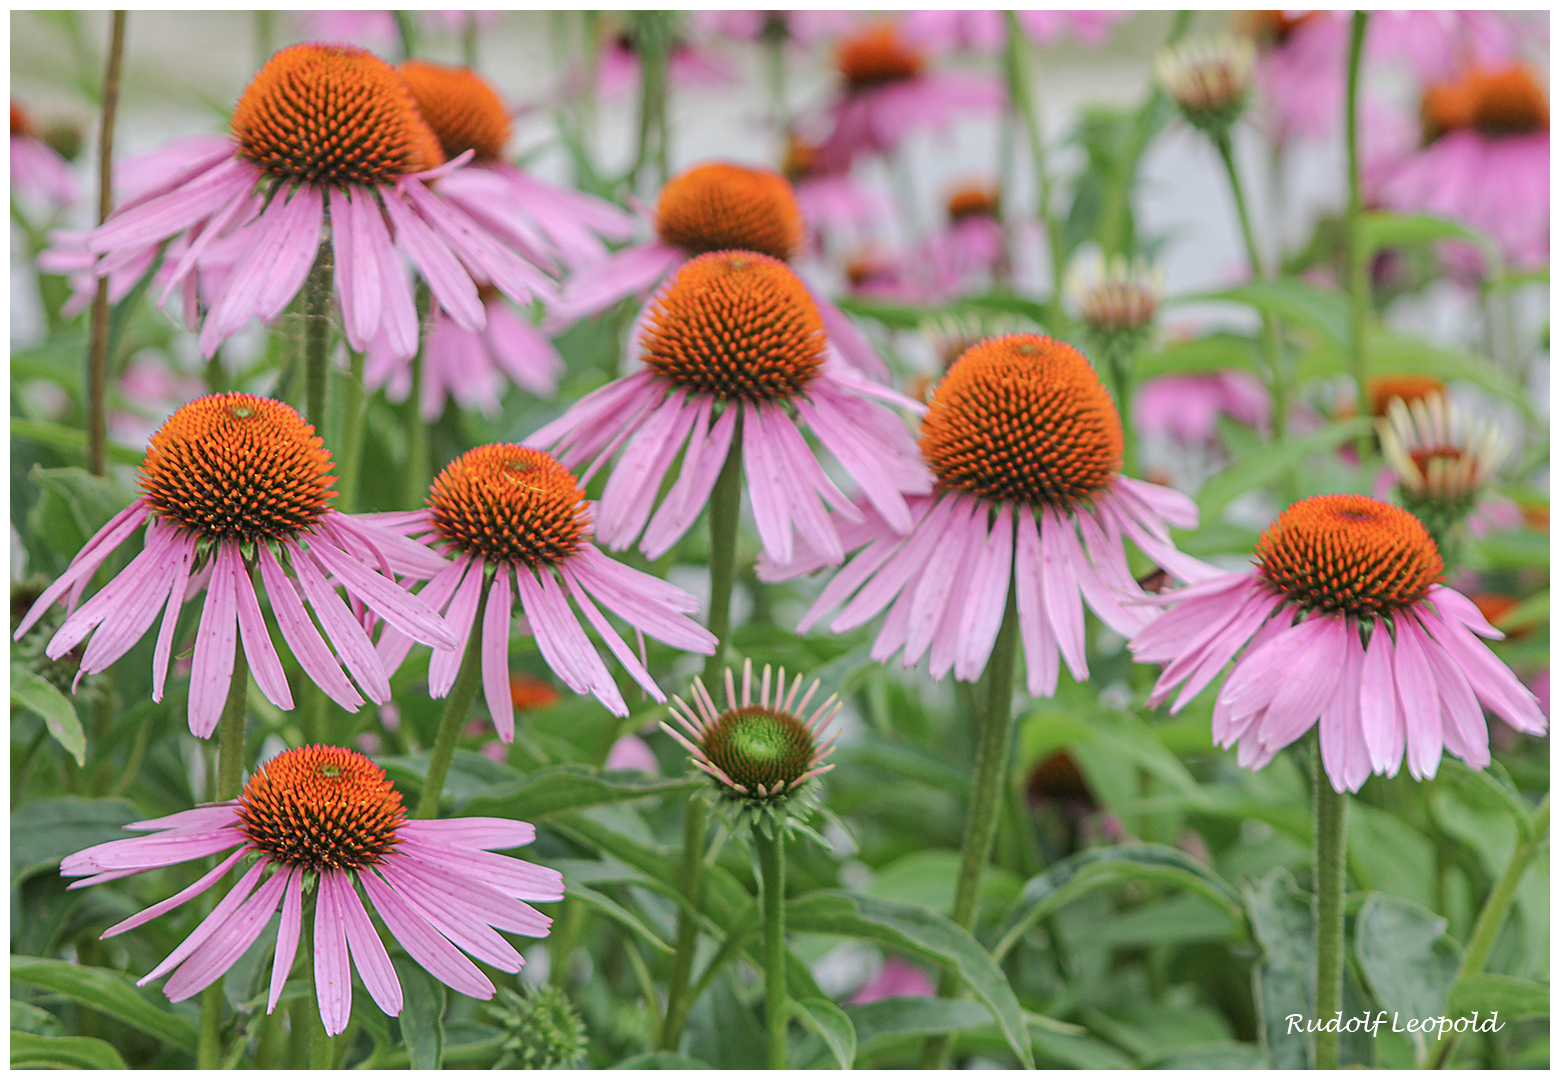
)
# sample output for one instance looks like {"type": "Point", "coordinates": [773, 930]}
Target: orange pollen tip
{"type": "Point", "coordinates": [321, 808]}
{"type": "Point", "coordinates": [973, 201]}
{"type": "Point", "coordinates": [464, 111]}
{"type": "Point", "coordinates": [1023, 418]}
{"type": "Point", "coordinates": [719, 207]}
{"type": "Point", "coordinates": [876, 57]}
{"type": "Point", "coordinates": [1410, 388]}
{"type": "Point", "coordinates": [238, 467]}
{"type": "Point", "coordinates": [21, 123]}
{"type": "Point", "coordinates": [529, 692]}
{"type": "Point", "coordinates": [1508, 101]}
{"type": "Point", "coordinates": [335, 115]}
{"type": "Point", "coordinates": [510, 504]}
{"type": "Point", "coordinates": [1349, 554]}
{"type": "Point", "coordinates": [735, 324]}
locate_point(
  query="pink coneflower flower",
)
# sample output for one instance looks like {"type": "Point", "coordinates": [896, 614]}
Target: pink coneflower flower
{"type": "Point", "coordinates": [734, 347]}
{"type": "Point", "coordinates": [831, 200]}
{"type": "Point", "coordinates": [1343, 626]}
{"type": "Point", "coordinates": [1187, 407]}
{"type": "Point", "coordinates": [632, 752]}
{"type": "Point", "coordinates": [152, 386]}
{"type": "Point", "coordinates": [328, 817]}
{"type": "Point", "coordinates": [898, 978]}
{"type": "Point", "coordinates": [968, 254]}
{"type": "Point", "coordinates": [986, 31]}
{"type": "Point", "coordinates": [619, 69]}
{"type": "Point", "coordinates": [888, 93]}
{"type": "Point", "coordinates": [232, 483]}
{"type": "Point", "coordinates": [322, 128]}
{"type": "Point", "coordinates": [716, 206]}
{"type": "Point", "coordinates": [521, 515]}
{"type": "Point", "coordinates": [1026, 447]}
{"type": "Point", "coordinates": [39, 175]}
{"type": "Point", "coordinates": [1486, 161]}
{"type": "Point", "coordinates": [756, 750]}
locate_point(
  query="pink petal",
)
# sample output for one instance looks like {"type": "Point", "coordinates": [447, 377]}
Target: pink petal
{"type": "Point", "coordinates": [210, 925]}
{"type": "Point", "coordinates": [495, 656]}
{"type": "Point", "coordinates": [438, 957]}
{"type": "Point", "coordinates": [313, 655]}
{"type": "Point", "coordinates": [345, 633]}
{"type": "Point", "coordinates": [394, 604]}
{"type": "Point", "coordinates": [189, 892]}
{"type": "Point", "coordinates": [332, 976]}
{"type": "Point", "coordinates": [288, 931]}
{"type": "Point", "coordinates": [368, 952]}
{"type": "Point", "coordinates": [216, 646]}
{"type": "Point", "coordinates": [461, 617]}
{"type": "Point", "coordinates": [96, 552]}
{"type": "Point", "coordinates": [264, 664]}
{"type": "Point", "coordinates": [222, 949]}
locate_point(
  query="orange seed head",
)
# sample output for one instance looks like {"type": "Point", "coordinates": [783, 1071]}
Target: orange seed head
{"type": "Point", "coordinates": [332, 114]}
{"type": "Point", "coordinates": [876, 57]}
{"type": "Point", "coordinates": [719, 206]}
{"type": "Point", "coordinates": [1349, 554]}
{"type": "Point", "coordinates": [463, 110]}
{"type": "Point", "coordinates": [321, 808]}
{"type": "Point", "coordinates": [735, 324]}
{"type": "Point", "coordinates": [510, 504]}
{"type": "Point", "coordinates": [1025, 418]}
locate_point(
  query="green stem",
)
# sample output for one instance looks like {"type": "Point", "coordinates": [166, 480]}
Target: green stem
{"type": "Point", "coordinates": [321, 1053]}
{"type": "Point", "coordinates": [97, 353]}
{"type": "Point", "coordinates": [468, 40]}
{"type": "Point", "coordinates": [418, 463]}
{"type": "Point", "coordinates": [1022, 93]}
{"type": "Point", "coordinates": [1492, 917]}
{"type": "Point", "coordinates": [1259, 272]}
{"type": "Point", "coordinates": [1359, 280]}
{"type": "Point", "coordinates": [354, 416]}
{"type": "Point", "coordinates": [316, 339]}
{"type": "Point", "coordinates": [1331, 809]}
{"type": "Point", "coordinates": [456, 709]}
{"type": "Point", "coordinates": [229, 781]}
{"type": "Point", "coordinates": [774, 56]}
{"type": "Point", "coordinates": [724, 514]}
{"type": "Point", "coordinates": [652, 41]}
{"type": "Point", "coordinates": [771, 867]}
{"type": "Point", "coordinates": [406, 32]}
{"type": "Point", "coordinates": [991, 770]}
{"type": "Point", "coordinates": [265, 37]}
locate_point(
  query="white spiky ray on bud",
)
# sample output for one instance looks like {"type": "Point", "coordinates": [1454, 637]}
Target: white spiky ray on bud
{"type": "Point", "coordinates": [1115, 293]}
{"type": "Point", "coordinates": [698, 720]}
{"type": "Point", "coordinates": [1464, 451]}
{"type": "Point", "coordinates": [1207, 75]}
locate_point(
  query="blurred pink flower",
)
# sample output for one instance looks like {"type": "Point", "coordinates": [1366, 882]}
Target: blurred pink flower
{"type": "Point", "coordinates": [986, 31]}
{"type": "Point", "coordinates": [1187, 407]}
{"type": "Point", "coordinates": [618, 69]}
{"type": "Point", "coordinates": [898, 978]}
{"type": "Point", "coordinates": [632, 752]}
{"type": "Point", "coordinates": [40, 179]}
{"type": "Point", "coordinates": [967, 254]}
{"type": "Point", "coordinates": [152, 390]}
{"type": "Point", "coordinates": [804, 28]}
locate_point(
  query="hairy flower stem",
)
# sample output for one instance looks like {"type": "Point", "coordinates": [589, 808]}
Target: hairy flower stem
{"type": "Point", "coordinates": [456, 709]}
{"type": "Point", "coordinates": [354, 416]}
{"type": "Point", "coordinates": [771, 869]}
{"type": "Point", "coordinates": [991, 770]}
{"type": "Point", "coordinates": [229, 782]}
{"type": "Point", "coordinates": [1493, 915]}
{"type": "Point", "coordinates": [1359, 280]}
{"type": "Point", "coordinates": [1272, 352]}
{"type": "Point", "coordinates": [316, 339]}
{"type": "Point", "coordinates": [1021, 94]}
{"type": "Point", "coordinates": [1332, 809]}
{"type": "Point", "coordinates": [724, 513]}
{"type": "Point", "coordinates": [97, 350]}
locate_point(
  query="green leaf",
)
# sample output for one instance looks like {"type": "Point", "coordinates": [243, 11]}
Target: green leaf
{"type": "Point", "coordinates": [1380, 228]}
{"type": "Point", "coordinates": [1103, 867]}
{"type": "Point", "coordinates": [1265, 468]}
{"type": "Point", "coordinates": [832, 1025]}
{"type": "Point", "coordinates": [33, 692]}
{"type": "Point", "coordinates": [923, 933]}
{"type": "Point", "coordinates": [109, 992]}
{"type": "Point", "coordinates": [73, 440]}
{"type": "Point", "coordinates": [1488, 789]}
{"type": "Point", "coordinates": [421, 1028]}
{"type": "Point", "coordinates": [659, 1059]}
{"type": "Point", "coordinates": [1407, 959]}
{"type": "Point", "coordinates": [880, 1023]}
{"type": "Point", "coordinates": [45, 831]}
{"type": "Point", "coordinates": [1285, 980]}
{"type": "Point", "coordinates": [929, 879]}
{"type": "Point", "coordinates": [1388, 352]}
{"type": "Point", "coordinates": [25, 1017]}
{"type": "Point", "coordinates": [1199, 356]}
{"type": "Point", "coordinates": [899, 316]}
{"type": "Point", "coordinates": [562, 788]}
{"type": "Point", "coordinates": [1516, 999]}
{"type": "Point", "coordinates": [614, 911]}
{"type": "Point", "coordinates": [1324, 310]}
{"type": "Point", "coordinates": [29, 1051]}
{"type": "Point", "coordinates": [1210, 1056]}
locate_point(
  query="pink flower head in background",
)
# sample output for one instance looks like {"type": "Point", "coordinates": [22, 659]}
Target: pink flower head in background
{"type": "Point", "coordinates": [321, 128]}
{"type": "Point", "coordinates": [832, 201]}
{"type": "Point", "coordinates": [967, 255]}
{"type": "Point", "coordinates": [1187, 407]}
{"type": "Point", "coordinates": [40, 177]}
{"type": "Point", "coordinates": [734, 348]}
{"type": "Point", "coordinates": [898, 978]}
{"type": "Point", "coordinates": [329, 815]}
{"type": "Point", "coordinates": [803, 29]}
{"type": "Point", "coordinates": [1026, 447]}
{"type": "Point", "coordinates": [633, 753]}
{"type": "Point", "coordinates": [975, 31]}
{"type": "Point", "coordinates": [1344, 626]}
{"type": "Point", "coordinates": [1485, 160]}
{"type": "Point", "coordinates": [150, 387]}
{"type": "Point", "coordinates": [521, 515]}
{"type": "Point", "coordinates": [716, 206]}
{"type": "Point", "coordinates": [688, 65]}
{"type": "Point", "coordinates": [233, 483]}
{"type": "Point", "coordinates": [887, 93]}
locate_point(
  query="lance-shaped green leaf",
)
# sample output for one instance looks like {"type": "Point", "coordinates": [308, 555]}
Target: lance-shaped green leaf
{"type": "Point", "coordinates": [29, 1051]}
{"type": "Point", "coordinates": [1511, 997]}
{"type": "Point", "coordinates": [831, 1024]}
{"type": "Point", "coordinates": [562, 788]}
{"type": "Point", "coordinates": [108, 992]}
{"type": "Point", "coordinates": [33, 692]}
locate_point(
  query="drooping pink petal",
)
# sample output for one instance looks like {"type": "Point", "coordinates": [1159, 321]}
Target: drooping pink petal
{"type": "Point", "coordinates": [189, 892]}
{"type": "Point", "coordinates": [332, 975]}
{"type": "Point", "coordinates": [310, 650]}
{"type": "Point", "coordinates": [472, 901]}
{"type": "Point", "coordinates": [1380, 715]}
{"type": "Point", "coordinates": [288, 931]}
{"type": "Point", "coordinates": [210, 925]}
{"type": "Point", "coordinates": [345, 633]}
{"type": "Point", "coordinates": [1421, 709]}
{"type": "Point", "coordinates": [1042, 659]}
{"type": "Point", "coordinates": [176, 593]}
{"type": "Point", "coordinates": [987, 601]}
{"type": "Point", "coordinates": [590, 291]}
{"type": "Point", "coordinates": [643, 601]}
{"type": "Point", "coordinates": [444, 666]}
{"type": "Point", "coordinates": [216, 646]}
{"type": "Point", "coordinates": [495, 656]}
{"type": "Point", "coordinates": [424, 944]}
{"type": "Point", "coordinates": [285, 240]}
{"type": "Point", "coordinates": [1060, 552]}
{"type": "Point", "coordinates": [614, 641]}
{"type": "Point", "coordinates": [95, 552]}
{"type": "Point", "coordinates": [221, 950]}
{"type": "Point", "coordinates": [631, 490]}
{"type": "Point", "coordinates": [394, 604]}
{"type": "Point", "coordinates": [449, 282]}
{"type": "Point", "coordinates": [966, 528]}
{"type": "Point", "coordinates": [483, 833]}
{"type": "Point", "coordinates": [264, 664]}
{"type": "Point", "coordinates": [512, 877]}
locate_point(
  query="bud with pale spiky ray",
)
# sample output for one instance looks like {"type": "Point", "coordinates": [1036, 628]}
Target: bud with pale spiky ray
{"type": "Point", "coordinates": [1442, 457]}
{"type": "Point", "coordinates": [1209, 80]}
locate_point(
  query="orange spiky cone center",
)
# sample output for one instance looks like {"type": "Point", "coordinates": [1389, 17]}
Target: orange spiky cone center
{"type": "Point", "coordinates": [332, 114]}
{"type": "Point", "coordinates": [1494, 102]}
{"type": "Point", "coordinates": [1349, 554]}
{"type": "Point", "coordinates": [238, 467]}
{"type": "Point", "coordinates": [972, 201]}
{"type": "Point", "coordinates": [463, 110]}
{"type": "Point", "coordinates": [1411, 388]}
{"type": "Point", "coordinates": [876, 57]}
{"type": "Point", "coordinates": [1024, 418]}
{"type": "Point", "coordinates": [719, 207]}
{"type": "Point", "coordinates": [321, 808]}
{"type": "Point", "coordinates": [510, 504]}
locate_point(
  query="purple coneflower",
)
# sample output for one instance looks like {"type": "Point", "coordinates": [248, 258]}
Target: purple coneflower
{"type": "Point", "coordinates": [232, 483]}
{"type": "Point", "coordinates": [733, 341]}
{"type": "Point", "coordinates": [1026, 446]}
{"type": "Point", "coordinates": [328, 816]}
{"type": "Point", "coordinates": [1345, 627]}
{"type": "Point", "coordinates": [322, 133]}
{"type": "Point", "coordinates": [39, 175]}
{"type": "Point", "coordinates": [518, 513]}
